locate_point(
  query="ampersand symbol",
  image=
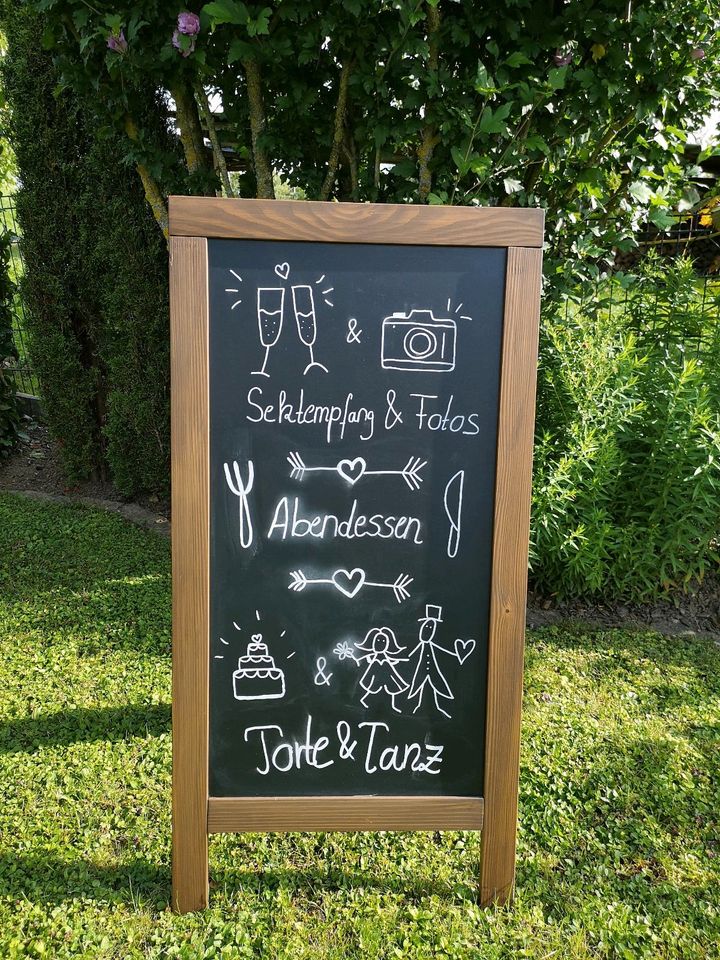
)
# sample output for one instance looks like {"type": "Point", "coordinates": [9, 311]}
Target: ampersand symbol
{"type": "Point", "coordinates": [347, 749]}
{"type": "Point", "coordinates": [391, 411]}
{"type": "Point", "coordinates": [353, 334]}
{"type": "Point", "coordinates": [321, 679]}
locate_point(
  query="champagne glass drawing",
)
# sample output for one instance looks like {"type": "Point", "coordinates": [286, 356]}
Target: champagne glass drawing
{"type": "Point", "coordinates": [270, 303]}
{"type": "Point", "coordinates": [304, 307]}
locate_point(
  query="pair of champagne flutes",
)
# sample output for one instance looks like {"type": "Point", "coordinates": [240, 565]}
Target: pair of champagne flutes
{"type": "Point", "coordinates": [270, 313]}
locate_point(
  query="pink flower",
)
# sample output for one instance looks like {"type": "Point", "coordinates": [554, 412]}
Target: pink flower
{"type": "Point", "coordinates": [177, 43]}
{"type": "Point", "coordinates": [118, 44]}
{"type": "Point", "coordinates": [188, 23]}
{"type": "Point", "coordinates": [697, 53]}
{"type": "Point", "coordinates": [562, 57]}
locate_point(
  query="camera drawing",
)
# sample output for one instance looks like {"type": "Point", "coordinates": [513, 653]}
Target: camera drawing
{"type": "Point", "coordinates": [418, 341]}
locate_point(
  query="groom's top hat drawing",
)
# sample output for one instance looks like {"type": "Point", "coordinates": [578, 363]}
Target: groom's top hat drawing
{"type": "Point", "coordinates": [432, 612]}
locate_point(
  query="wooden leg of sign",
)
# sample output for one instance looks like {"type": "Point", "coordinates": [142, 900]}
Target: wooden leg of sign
{"type": "Point", "coordinates": [510, 544]}
{"type": "Point", "coordinates": [189, 379]}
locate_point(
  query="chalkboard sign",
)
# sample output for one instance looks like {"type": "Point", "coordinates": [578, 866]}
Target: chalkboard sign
{"type": "Point", "coordinates": [352, 421]}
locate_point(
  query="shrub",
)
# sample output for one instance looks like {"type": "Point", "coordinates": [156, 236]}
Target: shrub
{"type": "Point", "coordinates": [96, 276]}
{"type": "Point", "coordinates": [571, 106]}
{"type": "Point", "coordinates": [9, 412]}
{"type": "Point", "coordinates": [627, 468]}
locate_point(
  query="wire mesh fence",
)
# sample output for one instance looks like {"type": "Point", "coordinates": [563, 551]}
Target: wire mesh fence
{"type": "Point", "coordinates": [21, 369]}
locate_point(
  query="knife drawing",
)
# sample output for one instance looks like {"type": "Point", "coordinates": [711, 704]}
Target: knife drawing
{"type": "Point", "coordinates": [453, 508]}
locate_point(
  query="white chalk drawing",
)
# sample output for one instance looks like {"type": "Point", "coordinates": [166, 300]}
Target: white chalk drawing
{"type": "Point", "coordinates": [304, 307]}
{"type": "Point", "coordinates": [350, 582]}
{"type": "Point", "coordinates": [381, 654]}
{"type": "Point", "coordinates": [353, 334]}
{"type": "Point", "coordinates": [321, 678]}
{"type": "Point", "coordinates": [345, 651]}
{"type": "Point", "coordinates": [463, 649]}
{"type": "Point", "coordinates": [271, 313]}
{"type": "Point", "coordinates": [270, 306]}
{"type": "Point", "coordinates": [453, 499]}
{"type": "Point", "coordinates": [234, 289]}
{"type": "Point", "coordinates": [241, 489]}
{"type": "Point", "coordinates": [353, 470]}
{"type": "Point", "coordinates": [328, 291]}
{"type": "Point", "coordinates": [418, 341]}
{"type": "Point", "coordinates": [427, 675]}
{"type": "Point", "coordinates": [458, 308]}
{"type": "Point", "coordinates": [257, 677]}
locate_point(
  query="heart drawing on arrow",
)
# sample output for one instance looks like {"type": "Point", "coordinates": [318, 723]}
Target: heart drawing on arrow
{"type": "Point", "coordinates": [349, 582]}
{"type": "Point", "coordinates": [463, 649]}
{"type": "Point", "coordinates": [282, 270]}
{"type": "Point", "coordinates": [351, 470]}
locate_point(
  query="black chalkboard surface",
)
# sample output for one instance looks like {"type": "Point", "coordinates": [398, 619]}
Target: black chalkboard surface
{"type": "Point", "coordinates": [353, 430]}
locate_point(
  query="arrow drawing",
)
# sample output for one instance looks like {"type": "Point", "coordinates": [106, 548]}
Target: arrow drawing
{"type": "Point", "coordinates": [350, 582]}
{"type": "Point", "coordinates": [352, 470]}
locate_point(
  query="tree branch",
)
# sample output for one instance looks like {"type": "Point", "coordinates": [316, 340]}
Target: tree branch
{"type": "Point", "coordinates": [350, 151]}
{"type": "Point", "coordinates": [261, 162]}
{"type": "Point", "coordinates": [191, 135]}
{"type": "Point", "coordinates": [153, 194]}
{"type": "Point", "coordinates": [338, 131]}
{"type": "Point", "coordinates": [429, 137]}
{"type": "Point", "coordinates": [218, 156]}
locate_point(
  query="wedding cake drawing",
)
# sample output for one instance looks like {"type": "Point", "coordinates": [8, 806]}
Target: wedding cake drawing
{"type": "Point", "coordinates": [257, 677]}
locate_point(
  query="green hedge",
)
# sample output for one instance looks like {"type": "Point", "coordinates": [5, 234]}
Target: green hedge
{"type": "Point", "coordinates": [9, 412]}
{"type": "Point", "coordinates": [96, 276]}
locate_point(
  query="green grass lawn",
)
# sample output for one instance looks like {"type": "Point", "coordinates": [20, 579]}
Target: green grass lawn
{"type": "Point", "coordinates": [619, 850]}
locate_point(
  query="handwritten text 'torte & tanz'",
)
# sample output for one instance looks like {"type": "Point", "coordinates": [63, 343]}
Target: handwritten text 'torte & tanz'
{"type": "Point", "coordinates": [368, 743]}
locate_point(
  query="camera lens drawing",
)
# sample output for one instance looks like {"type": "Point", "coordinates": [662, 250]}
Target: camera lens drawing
{"type": "Point", "coordinates": [270, 304]}
{"type": "Point", "coordinates": [304, 307]}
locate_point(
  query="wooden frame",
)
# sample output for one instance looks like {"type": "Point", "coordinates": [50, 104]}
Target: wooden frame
{"type": "Point", "coordinates": [195, 813]}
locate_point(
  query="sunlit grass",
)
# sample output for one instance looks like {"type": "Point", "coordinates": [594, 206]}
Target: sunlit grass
{"type": "Point", "coordinates": [619, 848]}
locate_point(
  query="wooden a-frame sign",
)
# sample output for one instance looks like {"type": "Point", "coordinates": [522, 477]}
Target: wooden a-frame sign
{"type": "Point", "coordinates": [401, 732]}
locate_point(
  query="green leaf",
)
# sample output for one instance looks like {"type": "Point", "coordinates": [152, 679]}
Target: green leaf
{"type": "Point", "coordinates": [640, 191]}
{"type": "Point", "coordinates": [495, 122]}
{"type": "Point", "coordinates": [484, 83]}
{"type": "Point", "coordinates": [460, 159]}
{"type": "Point", "coordinates": [405, 168]}
{"type": "Point", "coordinates": [239, 49]}
{"type": "Point", "coordinates": [661, 217]}
{"type": "Point", "coordinates": [517, 59]}
{"type": "Point", "coordinates": [227, 11]}
{"type": "Point", "coordinates": [688, 199]}
{"type": "Point", "coordinates": [261, 24]}
{"type": "Point", "coordinates": [557, 77]}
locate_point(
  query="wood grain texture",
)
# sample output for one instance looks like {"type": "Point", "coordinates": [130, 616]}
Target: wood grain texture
{"type": "Point", "coordinates": [190, 570]}
{"type": "Point", "coordinates": [355, 222]}
{"type": "Point", "coordinates": [236, 814]}
{"type": "Point", "coordinates": [509, 579]}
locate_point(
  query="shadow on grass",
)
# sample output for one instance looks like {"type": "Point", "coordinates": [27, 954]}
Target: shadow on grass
{"type": "Point", "coordinates": [72, 549]}
{"type": "Point", "coordinates": [146, 884]}
{"type": "Point", "coordinates": [64, 727]}
{"type": "Point", "coordinates": [625, 652]}
{"type": "Point", "coordinates": [143, 884]}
